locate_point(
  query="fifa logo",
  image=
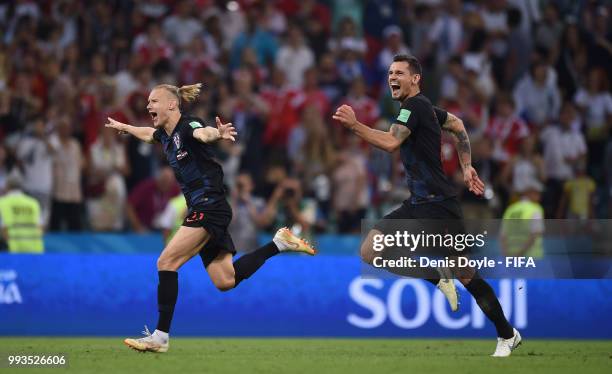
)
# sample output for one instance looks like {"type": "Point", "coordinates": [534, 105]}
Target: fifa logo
{"type": "Point", "coordinates": [9, 291]}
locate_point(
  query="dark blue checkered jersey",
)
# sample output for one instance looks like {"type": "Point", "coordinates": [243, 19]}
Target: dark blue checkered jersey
{"type": "Point", "coordinates": [420, 152]}
{"type": "Point", "coordinates": [200, 177]}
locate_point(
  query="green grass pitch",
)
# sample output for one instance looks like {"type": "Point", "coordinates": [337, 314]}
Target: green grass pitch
{"type": "Point", "coordinates": [317, 356]}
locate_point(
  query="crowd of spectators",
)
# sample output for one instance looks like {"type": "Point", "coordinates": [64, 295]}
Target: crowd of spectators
{"type": "Point", "coordinates": [529, 78]}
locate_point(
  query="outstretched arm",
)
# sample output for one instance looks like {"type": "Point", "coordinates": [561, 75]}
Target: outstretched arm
{"type": "Point", "coordinates": [143, 133]}
{"type": "Point", "coordinates": [387, 141]}
{"type": "Point", "coordinates": [455, 126]}
{"type": "Point", "coordinates": [212, 134]}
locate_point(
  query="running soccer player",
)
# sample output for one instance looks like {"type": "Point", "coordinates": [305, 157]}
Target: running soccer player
{"type": "Point", "coordinates": [187, 143]}
{"type": "Point", "coordinates": [417, 133]}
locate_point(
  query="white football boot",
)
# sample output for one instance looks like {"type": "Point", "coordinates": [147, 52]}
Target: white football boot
{"type": "Point", "coordinates": [506, 346]}
{"type": "Point", "coordinates": [447, 286]}
{"type": "Point", "coordinates": [150, 343]}
{"type": "Point", "coordinates": [286, 241]}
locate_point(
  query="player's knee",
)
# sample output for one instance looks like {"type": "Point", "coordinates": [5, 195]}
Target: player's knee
{"type": "Point", "coordinates": [224, 284]}
{"type": "Point", "coordinates": [166, 263]}
{"type": "Point", "coordinates": [367, 253]}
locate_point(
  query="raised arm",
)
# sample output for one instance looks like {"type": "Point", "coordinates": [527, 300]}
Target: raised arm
{"type": "Point", "coordinates": [455, 126]}
{"type": "Point", "coordinates": [143, 133]}
{"type": "Point", "coordinates": [212, 134]}
{"type": "Point", "coordinates": [387, 141]}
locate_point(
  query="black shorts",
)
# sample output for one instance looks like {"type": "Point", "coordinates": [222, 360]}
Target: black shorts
{"type": "Point", "coordinates": [437, 218]}
{"type": "Point", "coordinates": [215, 219]}
{"type": "Point", "coordinates": [445, 209]}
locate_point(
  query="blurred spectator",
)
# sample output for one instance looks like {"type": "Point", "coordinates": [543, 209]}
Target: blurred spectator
{"type": "Point", "coordinates": [35, 158]}
{"type": "Point", "coordinates": [350, 195]}
{"type": "Point", "coordinates": [523, 224]}
{"type": "Point", "coordinates": [9, 122]}
{"type": "Point", "coordinates": [68, 162]}
{"type": "Point", "coordinates": [549, 32]}
{"type": "Point", "coordinates": [315, 19]}
{"type": "Point", "coordinates": [595, 104]}
{"type": "Point", "coordinates": [393, 45]}
{"type": "Point", "coordinates": [106, 190]}
{"type": "Point", "coordinates": [21, 221]}
{"type": "Point", "coordinates": [468, 105]}
{"type": "Point", "coordinates": [248, 111]}
{"type": "Point", "coordinates": [172, 217]}
{"type": "Point", "coordinates": [256, 37]}
{"type": "Point", "coordinates": [347, 37]}
{"type": "Point", "coordinates": [195, 62]}
{"type": "Point", "coordinates": [181, 27]}
{"type": "Point", "coordinates": [149, 199]}
{"type": "Point", "coordinates": [449, 84]}
{"type": "Point", "coordinates": [3, 170]}
{"type": "Point", "coordinates": [329, 79]}
{"type": "Point", "coordinates": [506, 129]}
{"type": "Point", "coordinates": [275, 21]}
{"type": "Point", "coordinates": [477, 64]}
{"type": "Point", "coordinates": [573, 59]}
{"type": "Point", "coordinates": [152, 46]}
{"type": "Point", "coordinates": [446, 33]}
{"type": "Point", "coordinates": [564, 148]}
{"type": "Point", "coordinates": [536, 95]}
{"type": "Point", "coordinates": [366, 109]}
{"type": "Point", "coordinates": [312, 153]}
{"type": "Point", "coordinates": [251, 213]}
{"type": "Point", "coordinates": [524, 169]}
{"type": "Point", "coordinates": [519, 49]}
{"type": "Point", "coordinates": [343, 10]}
{"type": "Point", "coordinates": [377, 15]}
{"type": "Point", "coordinates": [294, 57]}
{"type": "Point", "coordinates": [283, 103]}
{"type": "Point", "coordinates": [287, 203]}
{"type": "Point", "coordinates": [578, 194]}
{"type": "Point", "coordinates": [312, 95]}
{"type": "Point", "coordinates": [126, 80]}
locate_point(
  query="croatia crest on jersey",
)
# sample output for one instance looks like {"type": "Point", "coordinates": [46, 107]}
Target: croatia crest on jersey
{"type": "Point", "coordinates": [177, 140]}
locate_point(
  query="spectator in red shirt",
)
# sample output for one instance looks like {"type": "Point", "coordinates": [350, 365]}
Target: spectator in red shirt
{"type": "Point", "coordinates": [149, 198]}
{"type": "Point", "coordinates": [364, 106]}
{"type": "Point", "coordinates": [506, 129]}
{"type": "Point", "coordinates": [284, 110]}
{"type": "Point", "coordinates": [312, 95]}
{"type": "Point", "coordinates": [152, 45]}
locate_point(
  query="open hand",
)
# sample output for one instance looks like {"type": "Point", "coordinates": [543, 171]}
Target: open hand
{"type": "Point", "coordinates": [226, 131]}
{"type": "Point", "coordinates": [472, 181]}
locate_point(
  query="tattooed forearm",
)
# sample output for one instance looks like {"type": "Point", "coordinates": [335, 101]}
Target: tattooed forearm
{"type": "Point", "coordinates": [399, 132]}
{"type": "Point", "coordinates": [463, 149]}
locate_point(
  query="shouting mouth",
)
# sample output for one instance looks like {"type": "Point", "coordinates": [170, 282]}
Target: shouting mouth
{"type": "Point", "coordinates": [395, 88]}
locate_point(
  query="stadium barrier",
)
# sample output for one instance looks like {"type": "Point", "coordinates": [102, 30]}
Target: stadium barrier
{"type": "Point", "coordinates": [292, 295]}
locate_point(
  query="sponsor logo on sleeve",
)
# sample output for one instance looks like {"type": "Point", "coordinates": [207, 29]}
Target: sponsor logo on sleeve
{"type": "Point", "coordinates": [404, 114]}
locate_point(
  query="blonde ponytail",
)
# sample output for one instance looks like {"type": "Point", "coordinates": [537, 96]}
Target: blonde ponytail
{"type": "Point", "coordinates": [190, 92]}
{"type": "Point", "coordinates": [186, 93]}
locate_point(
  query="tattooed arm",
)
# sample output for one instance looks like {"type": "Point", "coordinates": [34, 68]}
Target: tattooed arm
{"type": "Point", "coordinates": [455, 126]}
{"type": "Point", "coordinates": [388, 141]}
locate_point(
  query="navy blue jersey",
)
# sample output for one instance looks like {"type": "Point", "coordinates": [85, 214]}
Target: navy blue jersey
{"type": "Point", "coordinates": [200, 177]}
{"type": "Point", "coordinates": [420, 152]}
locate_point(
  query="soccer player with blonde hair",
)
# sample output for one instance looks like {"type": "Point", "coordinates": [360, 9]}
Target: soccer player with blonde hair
{"type": "Point", "coordinates": [187, 142]}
